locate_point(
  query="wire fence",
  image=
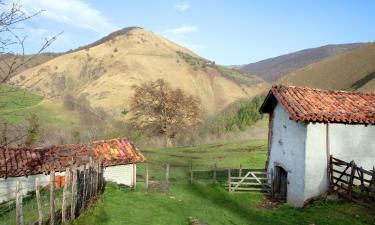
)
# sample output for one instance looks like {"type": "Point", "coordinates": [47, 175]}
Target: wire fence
{"type": "Point", "coordinates": [158, 175]}
{"type": "Point", "coordinates": [66, 196]}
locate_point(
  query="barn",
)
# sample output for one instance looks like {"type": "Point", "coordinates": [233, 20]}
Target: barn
{"type": "Point", "coordinates": [308, 125]}
{"type": "Point", "coordinates": [118, 156]}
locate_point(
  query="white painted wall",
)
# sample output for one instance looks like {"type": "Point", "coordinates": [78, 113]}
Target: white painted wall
{"type": "Point", "coordinates": [8, 186]}
{"type": "Point", "coordinates": [121, 174]}
{"type": "Point", "coordinates": [288, 151]}
{"type": "Point", "coordinates": [347, 142]}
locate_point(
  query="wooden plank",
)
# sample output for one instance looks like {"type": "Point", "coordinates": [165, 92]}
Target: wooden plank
{"type": "Point", "coordinates": [252, 189]}
{"type": "Point", "coordinates": [135, 176]}
{"type": "Point", "coordinates": [74, 194]}
{"type": "Point", "coordinates": [247, 183]}
{"type": "Point", "coordinates": [65, 195]}
{"type": "Point", "coordinates": [249, 178]}
{"type": "Point", "coordinates": [19, 210]}
{"type": "Point", "coordinates": [38, 201]}
{"type": "Point", "coordinates": [52, 197]}
{"type": "Point", "coordinates": [246, 175]}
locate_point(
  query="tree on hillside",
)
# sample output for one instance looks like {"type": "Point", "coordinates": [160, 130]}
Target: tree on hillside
{"type": "Point", "coordinates": [159, 109]}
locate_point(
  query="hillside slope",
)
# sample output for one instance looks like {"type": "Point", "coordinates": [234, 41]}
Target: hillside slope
{"type": "Point", "coordinates": [102, 74]}
{"type": "Point", "coordinates": [354, 70]}
{"type": "Point", "coordinates": [274, 68]}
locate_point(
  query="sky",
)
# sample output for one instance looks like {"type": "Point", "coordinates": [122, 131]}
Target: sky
{"type": "Point", "coordinates": [227, 32]}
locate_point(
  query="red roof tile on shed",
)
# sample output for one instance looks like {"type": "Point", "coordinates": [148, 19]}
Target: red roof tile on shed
{"type": "Point", "coordinates": [315, 105]}
{"type": "Point", "coordinates": [25, 161]}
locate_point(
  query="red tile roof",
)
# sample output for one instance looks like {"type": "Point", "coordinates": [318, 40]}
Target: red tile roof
{"type": "Point", "coordinates": [315, 105]}
{"type": "Point", "coordinates": [28, 161]}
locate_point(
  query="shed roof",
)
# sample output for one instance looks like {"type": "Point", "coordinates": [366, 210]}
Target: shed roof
{"type": "Point", "coordinates": [315, 105]}
{"type": "Point", "coordinates": [25, 161]}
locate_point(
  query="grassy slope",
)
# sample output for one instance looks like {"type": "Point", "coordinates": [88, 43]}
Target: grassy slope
{"type": "Point", "coordinates": [17, 104]}
{"type": "Point", "coordinates": [350, 71]}
{"type": "Point", "coordinates": [105, 73]}
{"type": "Point", "coordinates": [210, 203]}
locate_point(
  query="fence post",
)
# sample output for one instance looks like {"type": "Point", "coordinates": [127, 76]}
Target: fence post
{"type": "Point", "coordinates": [240, 172]}
{"type": "Point", "coordinates": [191, 173]}
{"type": "Point", "coordinates": [229, 178]}
{"type": "Point", "coordinates": [331, 187]}
{"type": "Point", "coordinates": [146, 176]}
{"type": "Point", "coordinates": [52, 197]}
{"type": "Point", "coordinates": [134, 176]}
{"type": "Point", "coordinates": [272, 186]}
{"type": "Point", "coordinates": [352, 173]}
{"type": "Point", "coordinates": [38, 202]}
{"type": "Point", "coordinates": [74, 194]}
{"type": "Point", "coordinates": [19, 211]}
{"type": "Point", "coordinates": [65, 193]}
{"type": "Point", "coordinates": [167, 173]}
{"type": "Point", "coordinates": [83, 199]}
{"type": "Point", "coordinates": [215, 168]}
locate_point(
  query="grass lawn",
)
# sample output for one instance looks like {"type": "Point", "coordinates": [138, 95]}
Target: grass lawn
{"type": "Point", "coordinates": [206, 201]}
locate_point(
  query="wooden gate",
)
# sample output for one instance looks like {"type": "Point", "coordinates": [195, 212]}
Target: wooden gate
{"type": "Point", "coordinates": [253, 180]}
{"type": "Point", "coordinates": [352, 182]}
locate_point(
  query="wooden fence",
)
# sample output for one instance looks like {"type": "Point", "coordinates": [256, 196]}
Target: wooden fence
{"type": "Point", "coordinates": [248, 180]}
{"type": "Point", "coordinates": [352, 182]}
{"type": "Point", "coordinates": [69, 195]}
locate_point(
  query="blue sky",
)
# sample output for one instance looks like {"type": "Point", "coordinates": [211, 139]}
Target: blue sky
{"type": "Point", "coordinates": [228, 32]}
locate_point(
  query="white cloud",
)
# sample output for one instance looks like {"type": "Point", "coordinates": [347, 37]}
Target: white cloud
{"type": "Point", "coordinates": [71, 12]}
{"type": "Point", "coordinates": [182, 30]}
{"type": "Point", "coordinates": [182, 6]}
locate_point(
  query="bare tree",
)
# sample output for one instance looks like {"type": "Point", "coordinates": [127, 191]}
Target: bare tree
{"type": "Point", "coordinates": [12, 49]}
{"type": "Point", "coordinates": [160, 109]}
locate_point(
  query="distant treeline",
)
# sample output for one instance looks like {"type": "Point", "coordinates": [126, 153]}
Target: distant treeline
{"type": "Point", "coordinates": [236, 117]}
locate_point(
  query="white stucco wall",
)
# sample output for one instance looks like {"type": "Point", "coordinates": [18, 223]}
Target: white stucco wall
{"type": "Point", "coordinates": [8, 186]}
{"type": "Point", "coordinates": [288, 151]}
{"type": "Point", "coordinates": [120, 174]}
{"type": "Point", "coordinates": [347, 142]}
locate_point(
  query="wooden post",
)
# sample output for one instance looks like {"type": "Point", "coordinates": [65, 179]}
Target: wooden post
{"type": "Point", "coordinates": [229, 184]}
{"type": "Point", "coordinates": [65, 195]}
{"type": "Point", "coordinates": [167, 173]}
{"type": "Point", "coordinates": [134, 182]}
{"type": "Point", "coordinates": [38, 202]}
{"type": "Point", "coordinates": [215, 168]}
{"type": "Point", "coordinates": [191, 173]}
{"type": "Point", "coordinates": [331, 187]}
{"type": "Point", "coordinates": [240, 172]}
{"type": "Point", "coordinates": [352, 173]}
{"type": "Point", "coordinates": [52, 197]}
{"type": "Point", "coordinates": [84, 189]}
{"type": "Point", "coordinates": [74, 194]}
{"type": "Point", "coordinates": [19, 211]}
{"type": "Point", "coordinates": [146, 175]}
{"type": "Point", "coordinates": [272, 187]}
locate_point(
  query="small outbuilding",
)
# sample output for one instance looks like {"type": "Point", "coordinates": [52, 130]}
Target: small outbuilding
{"type": "Point", "coordinates": [118, 156]}
{"type": "Point", "coordinates": [308, 125]}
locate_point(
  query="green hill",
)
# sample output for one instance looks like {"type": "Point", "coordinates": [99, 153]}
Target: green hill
{"type": "Point", "coordinates": [354, 70]}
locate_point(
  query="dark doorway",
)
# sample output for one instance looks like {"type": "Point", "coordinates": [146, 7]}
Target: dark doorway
{"type": "Point", "coordinates": [280, 186]}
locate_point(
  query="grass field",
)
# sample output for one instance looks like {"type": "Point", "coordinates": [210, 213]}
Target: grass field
{"type": "Point", "coordinates": [17, 105]}
{"type": "Point", "coordinates": [207, 201]}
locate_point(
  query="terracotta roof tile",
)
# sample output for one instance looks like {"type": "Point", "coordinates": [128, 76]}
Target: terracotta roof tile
{"type": "Point", "coordinates": [24, 161]}
{"type": "Point", "coordinates": [315, 105]}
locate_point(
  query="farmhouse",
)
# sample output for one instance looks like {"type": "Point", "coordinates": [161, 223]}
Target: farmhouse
{"type": "Point", "coordinates": [308, 125]}
{"type": "Point", "coordinates": [118, 156]}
